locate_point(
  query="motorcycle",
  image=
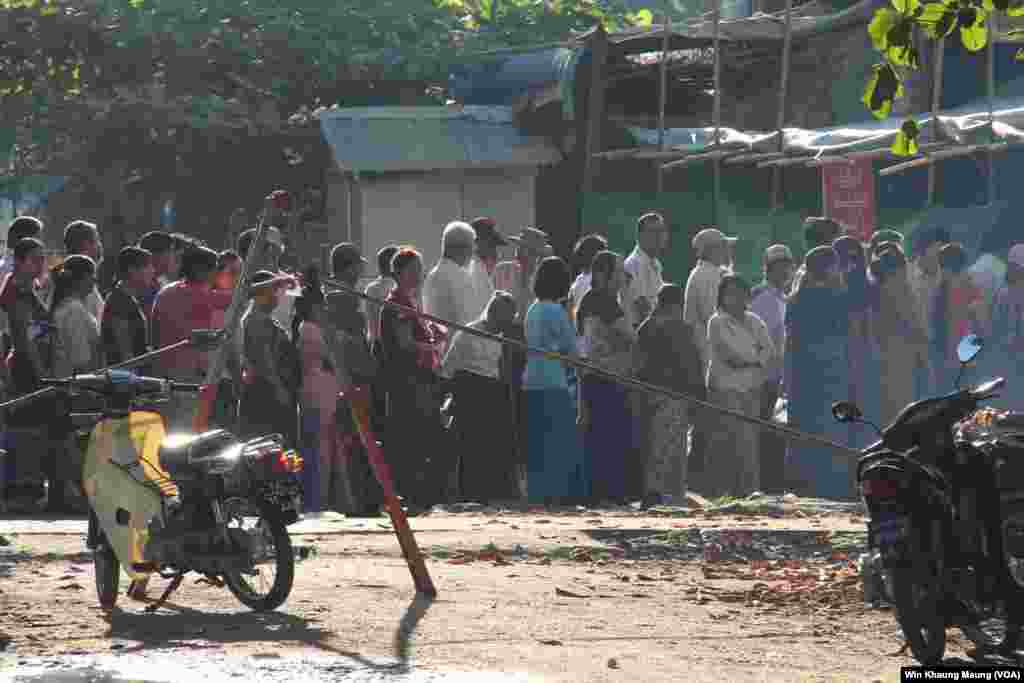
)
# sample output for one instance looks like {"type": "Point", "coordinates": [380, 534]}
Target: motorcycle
{"type": "Point", "coordinates": [946, 516]}
{"type": "Point", "coordinates": [207, 503]}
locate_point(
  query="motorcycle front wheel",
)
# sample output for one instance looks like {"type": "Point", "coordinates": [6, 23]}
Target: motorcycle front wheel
{"type": "Point", "coordinates": [918, 611]}
{"type": "Point", "coordinates": [108, 574]}
{"type": "Point", "coordinates": [256, 590]}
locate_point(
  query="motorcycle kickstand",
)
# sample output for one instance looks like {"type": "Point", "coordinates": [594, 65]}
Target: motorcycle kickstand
{"type": "Point", "coordinates": [175, 582]}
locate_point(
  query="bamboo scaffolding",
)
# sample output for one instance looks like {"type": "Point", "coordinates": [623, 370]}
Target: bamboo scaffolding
{"type": "Point", "coordinates": [752, 157]}
{"type": "Point", "coordinates": [991, 78]}
{"type": "Point", "coordinates": [942, 155]}
{"type": "Point", "coordinates": [937, 73]}
{"type": "Point", "coordinates": [872, 155]}
{"type": "Point", "coordinates": [663, 96]}
{"type": "Point", "coordinates": [780, 118]}
{"type": "Point", "coordinates": [787, 161]}
{"type": "Point", "coordinates": [716, 155]}
{"type": "Point", "coordinates": [717, 112]}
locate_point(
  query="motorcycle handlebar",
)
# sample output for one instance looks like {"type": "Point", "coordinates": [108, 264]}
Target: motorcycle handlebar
{"type": "Point", "coordinates": [113, 381]}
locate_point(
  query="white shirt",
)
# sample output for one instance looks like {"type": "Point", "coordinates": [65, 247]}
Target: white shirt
{"type": "Point", "coordinates": [448, 293]}
{"type": "Point", "coordinates": [76, 342]}
{"type": "Point", "coordinates": [701, 301]}
{"type": "Point", "coordinates": [647, 281]}
{"type": "Point", "coordinates": [473, 354]}
{"type": "Point", "coordinates": [379, 289]}
{"type": "Point", "coordinates": [733, 341]}
{"type": "Point", "coordinates": [483, 287]}
{"type": "Point", "coordinates": [579, 289]}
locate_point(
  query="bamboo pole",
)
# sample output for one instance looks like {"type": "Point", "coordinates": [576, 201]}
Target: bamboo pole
{"type": "Point", "coordinates": [663, 95]}
{"type": "Point", "coordinates": [991, 91]}
{"type": "Point", "coordinates": [717, 187]}
{"type": "Point", "coordinates": [937, 73]}
{"type": "Point", "coordinates": [872, 154]}
{"type": "Point", "coordinates": [942, 155]}
{"type": "Point", "coordinates": [717, 155]}
{"type": "Point", "coordinates": [787, 161]}
{"type": "Point", "coordinates": [753, 157]}
{"type": "Point", "coordinates": [780, 118]}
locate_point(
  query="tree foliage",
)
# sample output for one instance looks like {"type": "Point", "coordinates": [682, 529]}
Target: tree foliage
{"type": "Point", "coordinates": [66, 65]}
{"type": "Point", "coordinates": [892, 34]}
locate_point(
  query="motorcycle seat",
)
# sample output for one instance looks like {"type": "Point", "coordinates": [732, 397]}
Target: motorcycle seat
{"type": "Point", "coordinates": [180, 453]}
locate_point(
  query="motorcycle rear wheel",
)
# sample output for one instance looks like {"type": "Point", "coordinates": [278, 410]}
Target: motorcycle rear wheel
{"type": "Point", "coordinates": [108, 574]}
{"type": "Point", "coordinates": [284, 559]}
{"type": "Point", "coordinates": [919, 615]}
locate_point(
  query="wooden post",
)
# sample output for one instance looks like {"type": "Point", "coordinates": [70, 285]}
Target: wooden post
{"type": "Point", "coordinates": [991, 78]}
{"type": "Point", "coordinates": [780, 118]}
{"type": "Point", "coordinates": [937, 72]}
{"type": "Point", "coordinates": [595, 116]}
{"type": "Point", "coordinates": [663, 96]}
{"type": "Point", "coordinates": [717, 113]}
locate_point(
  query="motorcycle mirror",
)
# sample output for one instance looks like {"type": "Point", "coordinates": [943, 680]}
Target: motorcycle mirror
{"type": "Point", "coordinates": [968, 348]}
{"type": "Point", "coordinates": [206, 340]}
{"type": "Point", "coordinates": [846, 411]}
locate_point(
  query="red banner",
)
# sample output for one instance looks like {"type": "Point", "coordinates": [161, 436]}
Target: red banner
{"type": "Point", "coordinates": [848, 193]}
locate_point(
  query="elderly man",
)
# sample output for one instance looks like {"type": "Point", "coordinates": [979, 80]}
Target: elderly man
{"type": "Point", "coordinates": [481, 268]}
{"type": "Point", "coordinates": [644, 266]}
{"type": "Point", "coordinates": [516, 277]}
{"type": "Point", "coordinates": [700, 301]}
{"type": "Point", "coordinates": [448, 289]}
{"type": "Point", "coordinates": [769, 304]}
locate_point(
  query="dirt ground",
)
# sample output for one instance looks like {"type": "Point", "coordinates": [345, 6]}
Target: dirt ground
{"type": "Point", "coordinates": [585, 597]}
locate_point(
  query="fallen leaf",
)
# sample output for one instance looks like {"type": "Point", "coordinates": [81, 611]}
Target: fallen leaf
{"type": "Point", "coordinates": [613, 663]}
{"type": "Point", "coordinates": [568, 594]}
{"type": "Point", "coordinates": [644, 577]}
{"type": "Point", "coordinates": [550, 642]}
{"type": "Point", "coordinates": [71, 587]}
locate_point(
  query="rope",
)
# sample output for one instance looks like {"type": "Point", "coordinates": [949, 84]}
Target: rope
{"type": "Point", "coordinates": [583, 365]}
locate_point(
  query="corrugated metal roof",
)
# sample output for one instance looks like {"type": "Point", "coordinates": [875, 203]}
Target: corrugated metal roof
{"type": "Point", "coordinates": [504, 78]}
{"type": "Point", "coordinates": [426, 138]}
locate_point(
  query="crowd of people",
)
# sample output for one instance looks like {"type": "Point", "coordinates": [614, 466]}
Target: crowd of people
{"type": "Point", "coordinates": [467, 417]}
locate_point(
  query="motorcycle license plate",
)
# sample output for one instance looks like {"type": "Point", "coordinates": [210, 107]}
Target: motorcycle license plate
{"type": "Point", "coordinates": [889, 529]}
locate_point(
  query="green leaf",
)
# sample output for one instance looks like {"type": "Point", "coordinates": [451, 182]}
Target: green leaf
{"type": "Point", "coordinates": [937, 19]}
{"type": "Point", "coordinates": [885, 20]}
{"type": "Point", "coordinates": [135, 4]}
{"type": "Point", "coordinates": [974, 35]}
{"type": "Point", "coordinates": [1015, 11]}
{"type": "Point", "coordinates": [905, 143]}
{"type": "Point", "coordinates": [49, 9]}
{"type": "Point", "coordinates": [884, 87]}
{"type": "Point", "coordinates": [1019, 57]}
{"type": "Point", "coordinates": [905, 6]}
{"type": "Point", "coordinates": [644, 18]}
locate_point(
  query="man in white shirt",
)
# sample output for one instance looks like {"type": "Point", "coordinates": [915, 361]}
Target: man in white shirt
{"type": "Point", "coordinates": [448, 289]}
{"type": "Point", "coordinates": [516, 277]}
{"type": "Point", "coordinates": [645, 267]}
{"type": "Point", "coordinates": [481, 268]}
{"type": "Point", "coordinates": [769, 304]}
{"type": "Point", "coordinates": [701, 299]}
{"type": "Point", "coordinates": [82, 237]}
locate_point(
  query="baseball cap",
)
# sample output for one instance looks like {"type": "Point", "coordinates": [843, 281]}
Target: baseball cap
{"type": "Point", "coordinates": [710, 237]}
{"type": "Point", "coordinates": [777, 252]}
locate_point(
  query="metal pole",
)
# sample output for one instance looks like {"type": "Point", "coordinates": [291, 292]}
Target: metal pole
{"type": "Point", "coordinates": [208, 394]}
{"type": "Point", "coordinates": [991, 77]}
{"type": "Point", "coordinates": [663, 96]}
{"type": "Point", "coordinates": [780, 118]}
{"type": "Point", "coordinates": [583, 365]}
{"type": "Point", "coordinates": [940, 59]}
{"type": "Point", "coordinates": [717, 188]}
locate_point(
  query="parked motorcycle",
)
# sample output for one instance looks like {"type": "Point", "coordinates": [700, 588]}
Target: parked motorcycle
{"type": "Point", "coordinates": [206, 503]}
{"type": "Point", "coordinates": [946, 516]}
